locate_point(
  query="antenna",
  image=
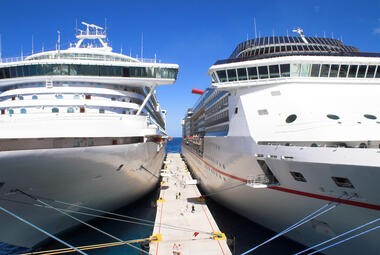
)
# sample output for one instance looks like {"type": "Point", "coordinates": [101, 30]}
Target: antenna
{"type": "Point", "coordinates": [105, 25]}
{"type": "Point", "coordinates": [32, 45]}
{"type": "Point", "coordinates": [142, 45]}
{"type": "Point", "coordinates": [254, 21]}
{"type": "Point", "coordinates": [22, 53]}
{"type": "Point", "coordinates": [324, 34]}
{"type": "Point", "coordinates": [0, 49]}
{"type": "Point", "coordinates": [59, 43]}
{"type": "Point", "coordinates": [76, 26]}
{"type": "Point", "coordinates": [332, 35]}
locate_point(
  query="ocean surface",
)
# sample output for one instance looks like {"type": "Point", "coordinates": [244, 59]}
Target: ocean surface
{"type": "Point", "coordinates": [243, 233]}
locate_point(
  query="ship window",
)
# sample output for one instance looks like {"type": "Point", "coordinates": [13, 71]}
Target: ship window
{"type": "Point", "coordinates": [315, 70]}
{"type": "Point", "coordinates": [378, 72]}
{"type": "Point", "coordinates": [59, 96]}
{"type": "Point", "coordinates": [2, 111]}
{"type": "Point", "coordinates": [263, 72]}
{"type": "Point", "coordinates": [70, 110]}
{"type": "Point", "coordinates": [325, 70]}
{"type": "Point", "coordinates": [334, 71]}
{"type": "Point", "coordinates": [34, 97]}
{"type": "Point", "coordinates": [82, 110]}
{"type": "Point", "coordinates": [252, 73]}
{"type": "Point", "coordinates": [76, 144]}
{"type": "Point", "coordinates": [214, 77]}
{"type": "Point", "coordinates": [222, 75]}
{"type": "Point", "coordinates": [20, 98]}
{"type": "Point", "coordinates": [343, 71]}
{"type": "Point", "coordinates": [11, 111]}
{"type": "Point", "coordinates": [291, 118]}
{"type": "Point", "coordinates": [274, 71]}
{"type": "Point", "coordinates": [333, 116]}
{"type": "Point", "coordinates": [113, 99]}
{"type": "Point", "coordinates": [285, 70]}
{"type": "Point", "coordinates": [101, 111]}
{"type": "Point", "coordinates": [295, 69]}
{"type": "Point", "coordinates": [370, 116]}
{"type": "Point", "coordinates": [342, 182]}
{"type": "Point", "coordinates": [76, 96]}
{"type": "Point", "coordinates": [305, 70]}
{"type": "Point", "coordinates": [352, 72]}
{"type": "Point", "coordinates": [370, 71]}
{"type": "Point", "coordinates": [361, 71]}
{"type": "Point", "coordinates": [88, 97]}
{"type": "Point", "coordinates": [283, 48]}
{"type": "Point", "coordinates": [298, 176]}
{"type": "Point", "coordinates": [55, 109]}
{"type": "Point", "coordinates": [23, 111]}
{"type": "Point", "coordinates": [231, 75]}
{"type": "Point", "coordinates": [242, 74]}
{"type": "Point", "coordinates": [236, 110]}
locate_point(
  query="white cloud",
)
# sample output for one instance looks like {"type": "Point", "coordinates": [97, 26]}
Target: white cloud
{"type": "Point", "coordinates": [376, 30]}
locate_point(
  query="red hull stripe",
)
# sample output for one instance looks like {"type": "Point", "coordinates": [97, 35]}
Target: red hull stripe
{"type": "Point", "coordinates": [297, 192]}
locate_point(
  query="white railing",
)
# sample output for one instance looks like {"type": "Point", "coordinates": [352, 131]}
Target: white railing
{"type": "Point", "coordinates": [93, 58]}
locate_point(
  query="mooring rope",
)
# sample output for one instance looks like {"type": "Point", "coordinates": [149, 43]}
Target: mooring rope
{"type": "Point", "coordinates": [81, 221]}
{"type": "Point", "coordinates": [41, 230]}
{"type": "Point", "coordinates": [303, 221]}
{"type": "Point", "coordinates": [336, 237]}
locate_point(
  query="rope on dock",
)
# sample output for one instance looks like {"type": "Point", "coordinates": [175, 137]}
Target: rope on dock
{"type": "Point", "coordinates": [87, 247]}
{"type": "Point", "coordinates": [304, 220]}
{"type": "Point", "coordinates": [41, 230]}
{"type": "Point", "coordinates": [336, 237]}
{"type": "Point", "coordinates": [81, 221]}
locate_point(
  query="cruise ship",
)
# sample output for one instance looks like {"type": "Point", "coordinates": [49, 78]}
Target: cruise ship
{"type": "Point", "coordinates": [288, 125]}
{"type": "Point", "coordinates": [81, 125]}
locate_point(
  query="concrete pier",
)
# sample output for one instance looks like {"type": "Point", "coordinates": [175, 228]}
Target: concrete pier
{"type": "Point", "coordinates": [176, 221]}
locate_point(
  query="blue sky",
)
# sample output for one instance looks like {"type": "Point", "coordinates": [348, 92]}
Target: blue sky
{"type": "Point", "coordinates": [193, 34]}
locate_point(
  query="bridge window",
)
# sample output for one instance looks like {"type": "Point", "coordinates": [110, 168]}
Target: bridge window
{"type": "Point", "coordinates": [231, 75]}
{"type": "Point", "coordinates": [352, 72]}
{"type": "Point", "coordinates": [305, 70]}
{"type": "Point", "coordinates": [361, 71]}
{"type": "Point", "coordinates": [252, 73]}
{"type": "Point", "coordinates": [274, 71]}
{"type": "Point", "coordinates": [55, 110]}
{"type": "Point", "coordinates": [222, 75]}
{"type": "Point", "coordinates": [378, 72]}
{"type": "Point", "coordinates": [370, 71]}
{"type": "Point", "coordinates": [343, 71]}
{"type": "Point", "coordinates": [334, 71]}
{"type": "Point", "coordinates": [315, 70]}
{"type": "Point", "coordinates": [325, 70]}
{"type": "Point", "coordinates": [285, 70]}
{"type": "Point", "coordinates": [263, 72]}
{"type": "Point", "coordinates": [242, 74]}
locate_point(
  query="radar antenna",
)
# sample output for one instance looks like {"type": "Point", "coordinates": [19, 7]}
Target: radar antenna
{"type": "Point", "coordinates": [300, 32]}
{"type": "Point", "coordinates": [92, 32]}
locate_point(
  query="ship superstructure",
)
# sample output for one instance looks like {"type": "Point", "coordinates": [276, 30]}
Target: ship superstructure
{"type": "Point", "coordinates": [82, 125]}
{"type": "Point", "coordinates": [295, 119]}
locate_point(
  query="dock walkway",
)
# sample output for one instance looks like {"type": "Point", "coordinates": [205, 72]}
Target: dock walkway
{"type": "Point", "coordinates": [175, 211]}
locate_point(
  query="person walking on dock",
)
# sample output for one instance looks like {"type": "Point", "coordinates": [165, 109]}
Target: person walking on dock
{"type": "Point", "coordinates": [175, 249]}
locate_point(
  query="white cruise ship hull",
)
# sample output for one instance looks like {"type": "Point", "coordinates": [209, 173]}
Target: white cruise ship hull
{"type": "Point", "coordinates": [102, 177]}
{"type": "Point", "coordinates": [229, 161]}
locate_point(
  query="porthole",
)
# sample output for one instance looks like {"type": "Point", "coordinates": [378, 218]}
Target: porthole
{"type": "Point", "coordinates": [11, 111]}
{"type": "Point", "coordinates": [34, 97]}
{"type": "Point", "coordinates": [23, 111]}
{"type": "Point", "coordinates": [55, 110]}
{"type": "Point", "coordinates": [363, 145]}
{"type": "Point", "coordinates": [333, 116]}
{"type": "Point", "coordinates": [291, 118]}
{"type": "Point", "coordinates": [370, 116]}
{"type": "Point", "coordinates": [314, 145]}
